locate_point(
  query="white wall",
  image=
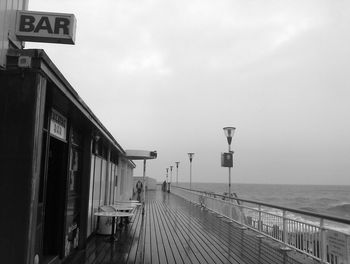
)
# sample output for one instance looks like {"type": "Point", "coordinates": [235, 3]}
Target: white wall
{"type": "Point", "coordinates": [8, 10]}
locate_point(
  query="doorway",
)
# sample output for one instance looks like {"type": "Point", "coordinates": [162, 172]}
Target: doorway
{"type": "Point", "coordinates": [54, 199]}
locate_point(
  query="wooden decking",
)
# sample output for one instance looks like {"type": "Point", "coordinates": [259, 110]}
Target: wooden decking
{"type": "Point", "coordinates": [173, 230]}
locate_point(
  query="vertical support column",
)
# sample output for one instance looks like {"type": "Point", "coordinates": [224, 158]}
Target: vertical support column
{"type": "Point", "coordinates": [191, 175]}
{"type": "Point", "coordinates": [144, 187]}
{"type": "Point", "coordinates": [229, 176]}
{"type": "Point", "coordinates": [86, 175]}
{"type": "Point", "coordinates": [242, 218]}
{"type": "Point", "coordinates": [259, 220]}
{"type": "Point", "coordinates": [285, 228]}
{"type": "Point", "coordinates": [38, 122]}
{"type": "Point", "coordinates": [108, 178]}
{"type": "Point", "coordinates": [323, 245]}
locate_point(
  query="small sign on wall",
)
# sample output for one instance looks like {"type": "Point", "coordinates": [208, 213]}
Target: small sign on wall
{"type": "Point", "coordinates": [58, 125]}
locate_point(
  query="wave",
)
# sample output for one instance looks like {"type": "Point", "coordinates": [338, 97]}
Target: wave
{"type": "Point", "coordinates": [327, 200]}
{"type": "Point", "coordinates": [343, 208]}
{"type": "Point", "coordinates": [308, 209]}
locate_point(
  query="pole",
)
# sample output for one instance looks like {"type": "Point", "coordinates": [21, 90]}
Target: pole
{"type": "Point", "coordinates": [191, 174]}
{"type": "Point", "coordinates": [171, 176]}
{"type": "Point", "coordinates": [177, 175]}
{"type": "Point", "coordinates": [229, 131]}
{"type": "Point", "coordinates": [144, 187]}
{"type": "Point", "coordinates": [229, 175]}
{"type": "Point", "coordinates": [168, 183]}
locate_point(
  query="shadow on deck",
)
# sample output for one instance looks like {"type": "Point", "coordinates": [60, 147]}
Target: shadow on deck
{"type": "Point", "coordinates": [173, 230]}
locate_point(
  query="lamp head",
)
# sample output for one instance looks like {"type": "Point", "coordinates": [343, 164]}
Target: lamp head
{"type": "Point", "coordinates": [190, 155]}
{"type": "Point", "coordinates": [229, 131]}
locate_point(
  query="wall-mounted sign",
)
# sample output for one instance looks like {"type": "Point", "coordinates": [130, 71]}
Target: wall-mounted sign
{"type": "Point", "coordinates": [45, 27]}
{"type": "Point", "coordinates": [227, 159]}
{"type": "Point", "coordinates": [58, 125]}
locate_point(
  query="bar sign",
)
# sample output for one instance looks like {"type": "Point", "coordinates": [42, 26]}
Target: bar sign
{"type": "Point", "coordinates": [45, 27]}
{"type": "Point", "coordinates": [58, 125]}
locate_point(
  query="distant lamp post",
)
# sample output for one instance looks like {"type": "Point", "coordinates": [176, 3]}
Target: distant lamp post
{"type": "Point", "coordinates": [171, 176]}
{"type": "Point", "coordinates": [177, 172]}
{"type": "Point", "coordinates": [229, 131]}
{"type": "Point", "coordinates": [168, 184]}
{"type": "Point", "coordinates": [190, 155]}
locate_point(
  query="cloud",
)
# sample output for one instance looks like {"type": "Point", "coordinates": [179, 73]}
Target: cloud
{"type": "Point", "coordinates": [144, 62]}
{"type": "Point", "coordinates": [279, 70]}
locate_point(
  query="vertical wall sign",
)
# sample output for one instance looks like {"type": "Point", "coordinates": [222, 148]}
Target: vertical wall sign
{"type": "Point", "coordinates": [58, 125]}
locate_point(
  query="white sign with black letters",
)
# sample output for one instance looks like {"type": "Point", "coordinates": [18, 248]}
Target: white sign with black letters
{"type": "Point", "coordinates": [58, 125]}
{"type": "Point", "coordinates": [45, 27]}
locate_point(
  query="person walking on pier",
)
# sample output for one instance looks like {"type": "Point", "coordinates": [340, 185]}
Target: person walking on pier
{"type": "Point", "coordinates": [139, 190]}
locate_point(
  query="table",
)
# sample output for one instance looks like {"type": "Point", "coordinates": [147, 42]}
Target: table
{"type": "Point", "coordinates": [131, 204]}
{"type": "Point", "coordinates": [114, 215]}
{"type": "Point", "coordinates": [123, 208]}
{"type": "Point", "coordinates": [128, 201]}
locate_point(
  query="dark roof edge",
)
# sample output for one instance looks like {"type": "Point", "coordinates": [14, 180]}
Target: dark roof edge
{"type": "Point", "coordinates": [41, 54]}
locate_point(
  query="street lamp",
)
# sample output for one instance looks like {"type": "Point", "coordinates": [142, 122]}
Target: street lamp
{"type": "Point", "coordinates": [171, 175]}
{"type": "Point", "coordinates": [229, 131]}
{"type": "Point", "coordinates": [168, 184]}
{"type": "Point", "coordinates": [177, 172]}
{"type": "Point", "coordinates": [190, 155]}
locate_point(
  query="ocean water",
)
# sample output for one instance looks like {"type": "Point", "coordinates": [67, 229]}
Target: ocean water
{"type": "Point", "coordinates": [326, 199]}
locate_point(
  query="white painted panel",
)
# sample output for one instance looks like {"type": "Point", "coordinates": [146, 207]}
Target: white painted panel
{"type": "Point", "coordinates": [8, 9]}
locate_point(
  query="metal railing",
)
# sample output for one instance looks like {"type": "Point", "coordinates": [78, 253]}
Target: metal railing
{"type": "Point", "coordinates": [319, 236]}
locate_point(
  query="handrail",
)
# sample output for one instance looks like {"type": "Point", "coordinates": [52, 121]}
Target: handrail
{"type": "Point", "coordinates": [289, 209]}
{"type": "Point", "coordinates": [311, 237]}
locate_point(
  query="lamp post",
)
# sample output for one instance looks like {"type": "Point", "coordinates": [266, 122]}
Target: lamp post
{"type": "Point", "coordinates": [177, 172]}
{"type": "Point", "coordinates": [171, 176]}
{"type": "Point", "coordinates": [168, 184]}
{"type": "Point", "coordinates": [229, 131]}
{"type": "Point", "coordinates": [190, 155]}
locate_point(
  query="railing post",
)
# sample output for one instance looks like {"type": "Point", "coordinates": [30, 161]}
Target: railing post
{"type": "Point", "coordinates": [285, 227]}
{"type": "Point", "coordinates": [323, 244]}
{"type": "Point", "coordinates": [348, 243]}
{"type": "Point", "coordinates": [241, 215]}
{"type": "Point", "coordinates": [259, 221]}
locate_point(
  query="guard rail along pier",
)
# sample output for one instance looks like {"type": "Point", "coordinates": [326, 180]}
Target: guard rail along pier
{"type": "Point", "coordinates": [321, 237]}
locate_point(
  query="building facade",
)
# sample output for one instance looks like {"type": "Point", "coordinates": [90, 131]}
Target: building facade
{"type": "Point", "coordinates": [58, 163]}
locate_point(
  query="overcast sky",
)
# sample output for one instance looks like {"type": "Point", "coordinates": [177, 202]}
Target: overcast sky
{"type": "Point", "coordinates": [169, 75]}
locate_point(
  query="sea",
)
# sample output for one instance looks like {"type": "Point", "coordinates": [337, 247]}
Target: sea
{"type": "Point", "coordinates": [331, 200]}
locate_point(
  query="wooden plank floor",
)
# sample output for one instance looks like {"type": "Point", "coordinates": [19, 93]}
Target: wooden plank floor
{"type": "Point", "coordinates": [173, 230]}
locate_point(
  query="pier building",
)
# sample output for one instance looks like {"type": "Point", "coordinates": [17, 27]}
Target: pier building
{"type": "Point", "coordinates": [58, 163]}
